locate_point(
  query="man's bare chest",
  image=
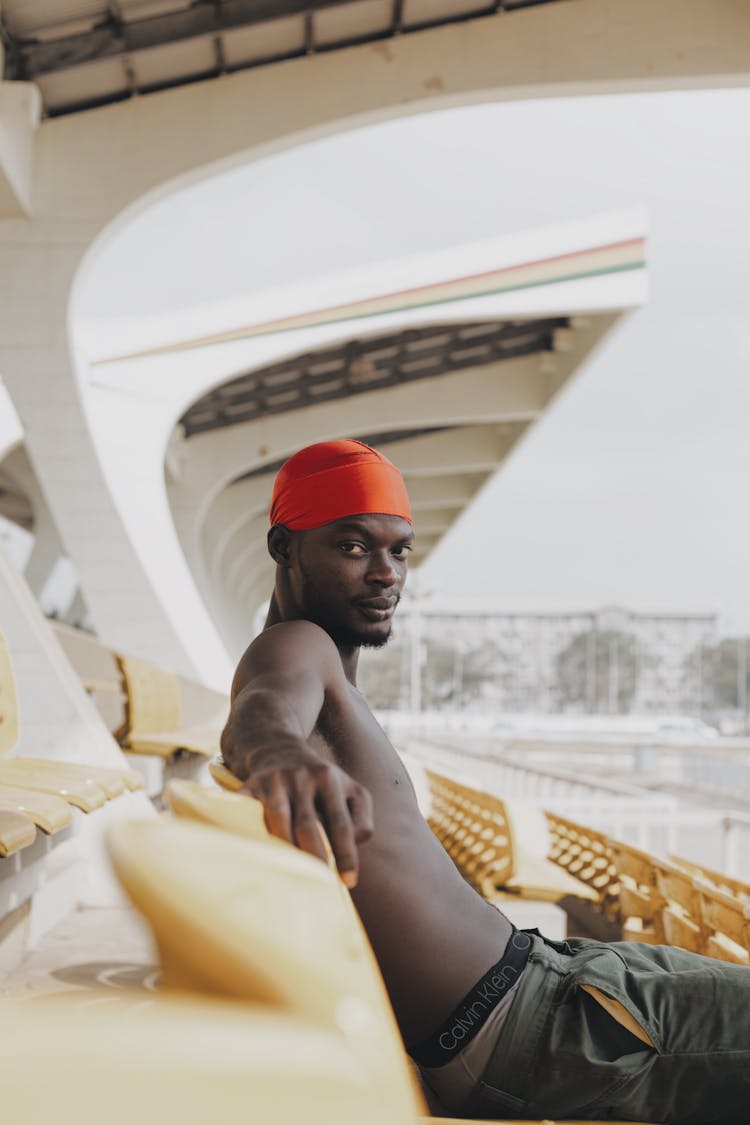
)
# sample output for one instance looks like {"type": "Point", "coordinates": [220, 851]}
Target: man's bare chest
{"type": "Point", "coordinates": [348, 735]}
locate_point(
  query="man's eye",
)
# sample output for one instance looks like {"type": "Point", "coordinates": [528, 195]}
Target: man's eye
{"type": "Point", "coordinates": [352, 548]}
{"type": "Point", "coordinates": [402, 552]}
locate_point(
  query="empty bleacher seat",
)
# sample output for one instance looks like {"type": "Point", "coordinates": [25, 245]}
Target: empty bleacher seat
{"type": "Point", "coordinates": [99, 673]}
{"type": "Point", "coordinates": [177, 1061]}
{"type": "Point", "coordinates": [84, 786]}
{"type": "Point", "coordinates": [587, 854]}
{"type": "Point", "coordinates": [726, 922]}
{"type": "Point", "coordinates": [148, 709]}
{"type": "Point", "coordinates": [155, 714]}
{"type": "Point", "coordinates": [265, 923]}
{"type": "Point", "coordinates": [727, 883]}
{"type": "Point", "coordinates": [499, 846]}
{"type": "Point", "coordinates": [681, 916]}
{"type": "Point", "coordinates": [640, 901]}
{"type": "Point", "coordinates": [47, 811]}
{"type": "Point", "coordinates": [16, 831]}
{"type": "Point", "coordinates": [237, 814]}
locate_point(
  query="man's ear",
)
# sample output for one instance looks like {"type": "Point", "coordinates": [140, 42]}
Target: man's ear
{"type": "Point", "coordinates": [280, 544]}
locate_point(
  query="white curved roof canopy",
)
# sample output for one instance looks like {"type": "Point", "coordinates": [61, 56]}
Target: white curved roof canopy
{"type": "Point", "coordinates": [446, 399]}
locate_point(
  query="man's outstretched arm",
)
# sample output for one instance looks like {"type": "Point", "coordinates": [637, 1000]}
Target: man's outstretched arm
{"type": "Point", "coordinates": [277, 696]}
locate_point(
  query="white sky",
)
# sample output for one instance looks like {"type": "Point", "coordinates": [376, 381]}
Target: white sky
{"type": "Point", "coordinates": [632, 487]}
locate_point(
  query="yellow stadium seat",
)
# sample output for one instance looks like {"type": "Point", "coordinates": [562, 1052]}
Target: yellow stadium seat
{"type": "Point", "coordinates": [82, 793]}
{"type": "Point", "coordinates": [585, 853]}
{"type": "Point", "coordinates": [681, 919]}
{"type": "Point", "coordinates": [640, 901]}
{"type": "Point", "coordinates": [98, 672]}
{"type": "Point", "coordinates": [224, 777]}
{"type": "Point", "coordinates": [726, 921]}
{"type": "Point", "coordinates": [154, 713]}
{"type": "Point", "coordinates": [235, 813]}
{"type": "Point", "coordinates": [499, 848]}
{"type": "Point", "coordinates": [265, 923]}
{"type": "Point", "coordinates": [112, 782]}
{"type": "Point", "coordinates": [48, 811]}
{"type": "Point", "coordinates": [726, 883]}
{"type": "Point", "coordinates": [177, 1061]}
{"type": "Point", "coordinates": [87, 787]}
{"type": "Point", "coordinates": [16, 831]}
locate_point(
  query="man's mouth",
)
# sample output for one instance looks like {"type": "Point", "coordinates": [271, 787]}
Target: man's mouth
{"type": "Point", "coordinates": [377, 609]}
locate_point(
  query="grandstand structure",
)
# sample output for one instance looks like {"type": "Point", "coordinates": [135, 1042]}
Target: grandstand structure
{"type": "Point", "coordinates": [149, 468]}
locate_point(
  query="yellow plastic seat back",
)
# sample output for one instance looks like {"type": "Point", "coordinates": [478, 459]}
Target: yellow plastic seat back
{"type": "Point", "coordinates": [176, 1061]}
{"type": "Point", "coordinates": [727, 922]}
{"type": "Point", "coordinates": [154, 700]}
{"type": "Point", "coordinates": [16, 831]}
{"type": "Point", "coordinates": [640, 901]}
{"type": "Point", "coordinates": [233, 812]}
{"type": "Point", "coordinates": [265, 923]}
{"type": "Point", "coordinates": [681, 918]}
{"type": "Point", "coordinates": [223, 776]}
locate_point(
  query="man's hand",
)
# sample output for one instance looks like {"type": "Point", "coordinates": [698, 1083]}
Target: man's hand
{"type": "Point", "coordinates": [297, 800]}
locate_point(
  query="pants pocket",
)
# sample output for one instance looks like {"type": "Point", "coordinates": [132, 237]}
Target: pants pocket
{"type": "Point", "coordinates": [619, 1013]}
{"type": "Point", "coordinates": [486, 1099]}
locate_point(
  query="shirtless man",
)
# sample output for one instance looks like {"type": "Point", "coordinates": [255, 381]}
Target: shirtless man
{"type": "Point", "coordinates": [473, 998]}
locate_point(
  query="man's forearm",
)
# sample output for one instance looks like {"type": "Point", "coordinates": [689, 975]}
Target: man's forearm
{"type": "Point", "coordinates": [264, 731]}
{"type": "Point", "coordinates": [266, 744]}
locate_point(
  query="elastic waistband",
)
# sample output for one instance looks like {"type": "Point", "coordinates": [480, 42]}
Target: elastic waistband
{"type": "Point", "coordinates": [469, 1017]}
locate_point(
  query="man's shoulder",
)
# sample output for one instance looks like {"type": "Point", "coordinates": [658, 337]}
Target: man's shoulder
{"type": "Point", "coordinates": [290, 647]}
{"type": "Point", "coordinates": [300, 634]}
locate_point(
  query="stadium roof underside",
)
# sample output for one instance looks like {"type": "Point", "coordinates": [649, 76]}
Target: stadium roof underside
{"type": "Point", "coordinates": [361, 365]}
{"type": "Point", "coordinates": [85, 53]}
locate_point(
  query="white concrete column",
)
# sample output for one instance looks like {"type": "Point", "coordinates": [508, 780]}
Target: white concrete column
{"type": "Point", "coordinates": [47, 547]}
{"type": "Point", "coordinates": [126, 611]}
{"type": "Point", "coordinates": [20, 110]}
{"type": "Point", "coordinates": [77, 613]}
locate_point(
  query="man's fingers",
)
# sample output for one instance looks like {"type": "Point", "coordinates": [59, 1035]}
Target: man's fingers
{"type": "Point", "coordinates": [337, 821]}
{"type": "Point", "coordinates": [271, 790]}
{"type": "Point", "coordinates": [305, 822]}
{"type": "Point", "coordinates": [295, 801]}
{"type": "Point", "coordinates": [360, 809]}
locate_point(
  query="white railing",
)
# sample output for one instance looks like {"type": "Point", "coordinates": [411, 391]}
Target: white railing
{"type": "Point", "coordinates": [655, 822]}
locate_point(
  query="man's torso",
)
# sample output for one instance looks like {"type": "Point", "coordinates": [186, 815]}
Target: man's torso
{"type": "Point", "coordinates": [432, 935]}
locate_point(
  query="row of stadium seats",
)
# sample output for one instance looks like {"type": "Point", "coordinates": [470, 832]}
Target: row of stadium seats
{"type": "Point", "coordinates": [149, 710]}
{"type": "Point", "coordinates": [38, 794]}
{"type": "Point", "coordinates": [498, 851]}
{"type": "Point", "coordinates": [657, 900]}
{"type": "Point", "coordinates": [652, 899]}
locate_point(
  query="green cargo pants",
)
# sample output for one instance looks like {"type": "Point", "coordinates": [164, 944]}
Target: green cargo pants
{"type": "Point", "coordinates": [561, 1054]}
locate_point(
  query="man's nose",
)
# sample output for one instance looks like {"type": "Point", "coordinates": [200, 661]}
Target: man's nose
{"type": "Point", "coordinates": [383, 570]}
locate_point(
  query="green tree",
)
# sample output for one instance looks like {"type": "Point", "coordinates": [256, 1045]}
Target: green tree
{"type": "Point", "coordinates": [455, 674]}
{"type": "Point", "coordinates": [723, 672]}
{"type": "Point", "coordinates": [598, 670]}
{"type": "Point", "coordinates": [383, 675]}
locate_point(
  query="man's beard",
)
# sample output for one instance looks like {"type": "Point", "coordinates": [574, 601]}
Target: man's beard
{"type": "Point", "coordinates": [350, 638]}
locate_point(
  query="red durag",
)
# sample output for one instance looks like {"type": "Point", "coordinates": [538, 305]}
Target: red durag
{"type": "Point", "coordinates": [334, 479]}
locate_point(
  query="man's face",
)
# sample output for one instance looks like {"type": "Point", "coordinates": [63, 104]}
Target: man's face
{"type": "Point", "coordinates": [347, 576]}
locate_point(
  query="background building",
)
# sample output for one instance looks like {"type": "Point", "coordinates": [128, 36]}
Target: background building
{"type": "Point", "coordinates": [610, 660]}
